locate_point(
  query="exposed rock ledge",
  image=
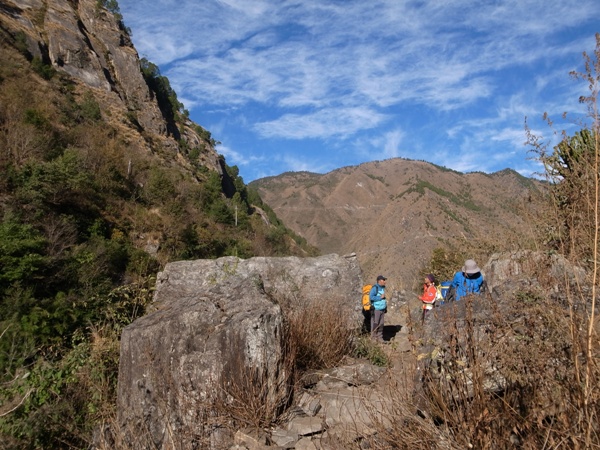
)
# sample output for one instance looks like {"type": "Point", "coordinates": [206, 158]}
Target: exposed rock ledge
{"type": "Point", "coordinates": [220, 316]}
{"type": "Point", "coordinates": [214, 317]}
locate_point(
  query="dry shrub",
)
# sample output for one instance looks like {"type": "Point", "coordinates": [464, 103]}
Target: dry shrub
{"type": "Point", "coordinates": [255, 397]}
{"type": "Point", "coordinates": [398, 427]}
{"type": "Point", "coordinates": [516, 376]}
{"type": "Point", "coordinates": [573, 169]}
{"type": "Point", "coordinates": [248, 402]}
{"type": "Point", "coordinates": [321, 331]}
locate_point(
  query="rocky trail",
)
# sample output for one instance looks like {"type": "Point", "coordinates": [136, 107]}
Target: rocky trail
{"type": "Point", "coordinates": [355, 400]}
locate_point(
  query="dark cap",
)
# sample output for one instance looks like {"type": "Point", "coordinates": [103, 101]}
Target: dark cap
{"type": "Point", "coordinates": [381, 277]}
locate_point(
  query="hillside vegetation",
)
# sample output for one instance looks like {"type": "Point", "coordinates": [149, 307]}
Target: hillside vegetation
{"type": "Point", "coordinates": [91, 207]}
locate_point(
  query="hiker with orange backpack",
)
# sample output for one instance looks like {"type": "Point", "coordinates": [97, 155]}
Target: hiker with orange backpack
{"type": "Point", "coordinates": [429, 294]}
{"type": "Point", "coordinates": [378, 300]}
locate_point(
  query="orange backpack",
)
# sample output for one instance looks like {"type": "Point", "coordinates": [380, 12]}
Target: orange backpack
{"type": "Point", "coordinates": [366, 301]}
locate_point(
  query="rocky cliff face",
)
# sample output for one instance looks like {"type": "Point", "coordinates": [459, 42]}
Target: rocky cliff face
{"type": "Point", "coordinates": [87, 42]}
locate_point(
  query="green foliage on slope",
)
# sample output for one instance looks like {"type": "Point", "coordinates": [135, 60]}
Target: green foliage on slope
{"type": "Point", "coordinates": [87, 218]}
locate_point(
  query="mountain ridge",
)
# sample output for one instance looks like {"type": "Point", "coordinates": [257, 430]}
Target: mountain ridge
{"type": "Point", "coordinates": [394, 213]}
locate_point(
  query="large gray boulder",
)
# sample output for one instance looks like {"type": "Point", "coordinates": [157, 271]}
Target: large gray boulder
{"type": "Point", "coordinates": [215, 320]}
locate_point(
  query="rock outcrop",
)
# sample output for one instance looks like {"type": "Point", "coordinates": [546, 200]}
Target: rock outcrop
{"type": "Point", "coordinates": [215, 321]}
{"type": "Point", "coordinates": [91, 45]}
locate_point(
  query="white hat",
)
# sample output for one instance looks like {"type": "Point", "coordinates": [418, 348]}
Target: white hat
{"type": "Point", "coordinates": [470, 267]}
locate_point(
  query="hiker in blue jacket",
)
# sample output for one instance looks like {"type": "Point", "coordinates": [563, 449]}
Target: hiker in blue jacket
{"type": "Point", "coordinates": [379, 303]}
{"type": "Point", "coordinates": [468, 281]}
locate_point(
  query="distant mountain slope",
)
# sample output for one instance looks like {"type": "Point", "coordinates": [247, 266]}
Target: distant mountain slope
{"type": "Point", "coordinates": [393, 213]}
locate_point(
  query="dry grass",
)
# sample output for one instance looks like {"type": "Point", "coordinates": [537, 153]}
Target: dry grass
{"type": "Point", "coordinates": [252, 397]}
{"type": "Point", "coordinates": [321, 332]}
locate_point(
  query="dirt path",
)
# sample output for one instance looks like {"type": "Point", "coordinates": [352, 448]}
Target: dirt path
{"type": "Point", "coordinates": [399, 334]}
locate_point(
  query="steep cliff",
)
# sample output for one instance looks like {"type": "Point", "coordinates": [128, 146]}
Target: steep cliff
{"type": "Point", "coordinates": [73, 88]}
{"type": "Point", "coordinates": [90, 44]}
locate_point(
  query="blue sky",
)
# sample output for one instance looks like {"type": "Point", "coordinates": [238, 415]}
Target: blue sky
{"type": "Point", "coordinates": [291, 85]}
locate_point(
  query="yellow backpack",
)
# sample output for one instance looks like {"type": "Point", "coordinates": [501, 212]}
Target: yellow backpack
{"type": "Point", "coordinates": [366, 301]}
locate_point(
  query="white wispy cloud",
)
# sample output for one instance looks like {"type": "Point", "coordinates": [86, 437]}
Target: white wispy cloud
{"type": "Point", "coordinates": [240, 158]}
{"type": "Point", "coordinates": [296, 163]}
{"type": "Point", "coordinates": [391, 147]}
{"type": "Point", "coordinates": [255, 63]}
{"type": "Point", "coordinates": [331, 71]}
{"type": "Point", "coordinates": [321, 124]}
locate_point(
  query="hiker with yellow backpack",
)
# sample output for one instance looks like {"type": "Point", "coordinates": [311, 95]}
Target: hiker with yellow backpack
{"type": "Point", "coordinates": [374, 306]}
{"type": "Point", "coordinates": [366, 309]}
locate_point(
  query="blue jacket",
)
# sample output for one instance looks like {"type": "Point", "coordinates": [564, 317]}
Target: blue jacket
{"type": "Point", "coordinates": [375, 295]}
{"type": "Point", "coordinates": [465, 284]}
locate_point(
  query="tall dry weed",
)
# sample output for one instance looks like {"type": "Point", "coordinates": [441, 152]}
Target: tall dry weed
{"type": "Point", "coordinates": [252, 397]}
{"type": "Point", "coordinates": [321, 331]}
{"type": "Point", "coordinates": [573, 168]}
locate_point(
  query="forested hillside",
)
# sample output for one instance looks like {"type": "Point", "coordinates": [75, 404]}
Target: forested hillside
{"type": "Point", "coordinates": [103, 180]}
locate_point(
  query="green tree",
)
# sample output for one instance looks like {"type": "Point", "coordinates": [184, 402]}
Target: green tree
{"type": "Point", "coordinates": [22, 256]}
{"type": "Point", "coordinates": [159, 187]}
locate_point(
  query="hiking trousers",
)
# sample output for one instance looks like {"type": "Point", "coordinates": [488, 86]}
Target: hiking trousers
{"type": "Point", "coordinates": [366, 325]}
{"type": "Point", "coordinates": [377, 324]}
